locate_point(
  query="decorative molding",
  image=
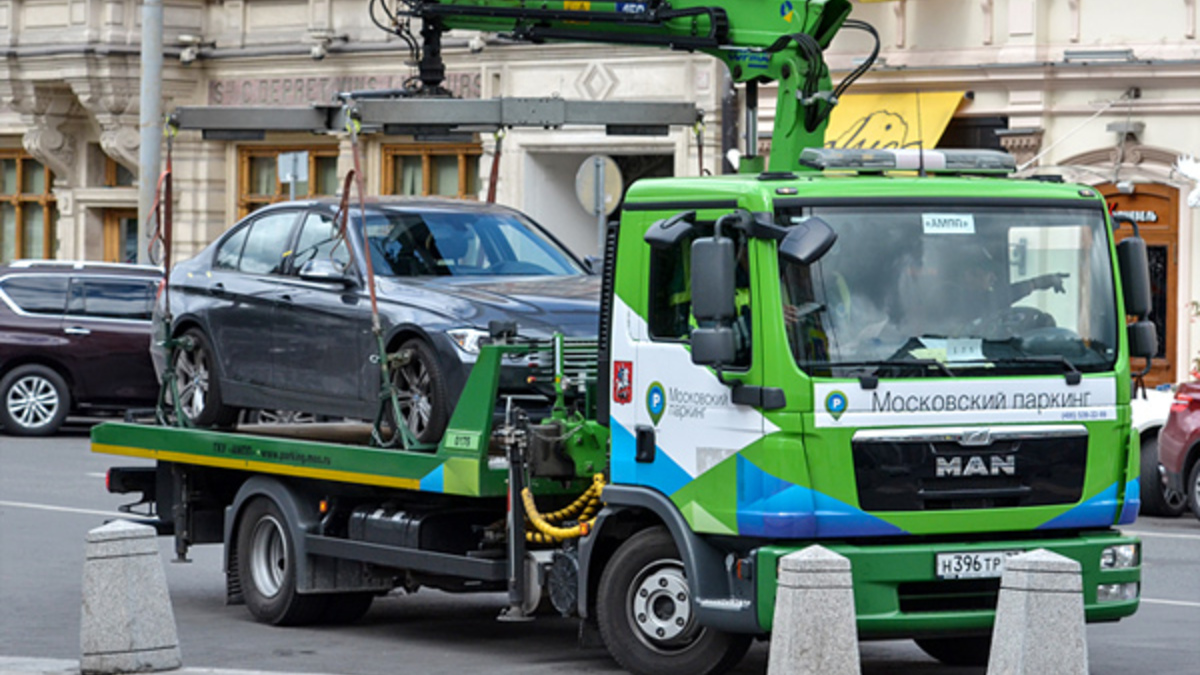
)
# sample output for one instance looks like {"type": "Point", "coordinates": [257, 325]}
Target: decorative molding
{"type": "Point", "coordinates": [1076, 11]}
{"type": "Point", "coordinates": [112, 99]}
{"type": "Point", "coordinates": [1189, 28]}
{"type": "Point", "coordinates": [988, 7]}
{"type": "Point", "coordinates": [1022, 144]}
{"type": "Point", "coordinates": [900, 9]}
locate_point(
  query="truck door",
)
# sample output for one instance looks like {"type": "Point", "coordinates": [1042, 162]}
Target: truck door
{"type": "Point", "coordinates": [679, 421]}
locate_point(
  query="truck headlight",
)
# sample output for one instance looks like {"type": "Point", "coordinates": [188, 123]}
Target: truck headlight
{"type": "Point", "coordinates": [1116, 592]}
{"type": "Point", "coordinates": [467, 339]}
{"type": "Point", "coordinates": [1119, 557]}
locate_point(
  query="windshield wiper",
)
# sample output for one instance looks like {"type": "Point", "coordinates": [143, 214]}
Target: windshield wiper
{"type": "Point", "coordinates": [871, 380]}
{"type": "Point", "coordinates": [1072, 373]}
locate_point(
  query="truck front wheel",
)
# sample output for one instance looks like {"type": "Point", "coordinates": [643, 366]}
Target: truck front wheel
{"type": "Point", "coordinates": [646, 616]}
{"type": "Point", "coordinates": [267, 565]}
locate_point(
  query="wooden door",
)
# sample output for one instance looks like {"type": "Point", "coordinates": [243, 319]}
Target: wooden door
{"type": "Point", "coordinates": [1155, 208]}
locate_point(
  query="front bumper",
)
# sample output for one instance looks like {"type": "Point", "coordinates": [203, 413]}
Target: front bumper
{"type": "Point", "coordinates": [897, 593]}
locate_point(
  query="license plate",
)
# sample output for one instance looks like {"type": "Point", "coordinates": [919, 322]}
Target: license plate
{"type": "Point", "coordinates": [972, 565]}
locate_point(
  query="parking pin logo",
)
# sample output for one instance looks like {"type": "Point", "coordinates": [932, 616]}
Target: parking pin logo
{"type": "Point", "coordinates": [836, 404]}
{"type": "Point", "coordinates": [656, 402]}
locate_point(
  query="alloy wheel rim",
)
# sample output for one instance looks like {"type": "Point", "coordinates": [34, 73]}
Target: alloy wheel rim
{"type": "Point", "coordinates": [659, 608]}
{"type": "Point", "coordinates": [413, 389]}
{"type": "Point", "coordinates": [191, 380]}
{"type": "Point", "coordinates": [32, 401]}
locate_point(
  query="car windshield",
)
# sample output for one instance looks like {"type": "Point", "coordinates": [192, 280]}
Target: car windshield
{"type": "Point", "coordinates": [443, 243]}
{"type": "Point", "coordinates": [952, 290]}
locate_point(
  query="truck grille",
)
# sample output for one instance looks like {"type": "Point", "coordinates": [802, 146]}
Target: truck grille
{"type": "Point", "coordinates": [969, 468]}
{"type": "Point", "coordinates": [956, 595]}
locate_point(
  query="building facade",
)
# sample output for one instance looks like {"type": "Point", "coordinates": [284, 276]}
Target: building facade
{"type": "Point", "coordinates": [1089, 91]}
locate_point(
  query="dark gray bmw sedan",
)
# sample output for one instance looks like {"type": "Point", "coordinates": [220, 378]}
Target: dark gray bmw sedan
{"type": "Point", "coordinates": [278, 310]}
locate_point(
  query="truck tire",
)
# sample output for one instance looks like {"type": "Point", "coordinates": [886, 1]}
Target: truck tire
{"type": "Point", "coordinates": [645, 614]}
{"type": "Point", "coordinates": [345, 608]}
{"type": "Point", "coordinates": [972, 650]}
{"type": "Point", "coordinates": [267, 565]}
{"type": "Point", "coordinates": [421, 389]}
{"type": "Point", "coordinates": [34, 401]}
{"type": "Point", "coordinates": [1157, 499]}
{"type": "Point", "coordinates": [198, 384]}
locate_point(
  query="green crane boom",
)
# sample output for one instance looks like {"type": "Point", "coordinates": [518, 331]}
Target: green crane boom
{"type": "Point", "coordinates": [759, 40]}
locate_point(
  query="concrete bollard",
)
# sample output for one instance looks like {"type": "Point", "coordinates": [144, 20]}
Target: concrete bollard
{"type": "Point", "coordinates": [128, 625]}
{"type": "Point", "coordinates": [1039, 618]}
{"type": "Point", "coordinates": [815, 630]}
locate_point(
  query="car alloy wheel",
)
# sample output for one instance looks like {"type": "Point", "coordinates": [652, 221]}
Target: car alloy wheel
{"type": "Point", "coordinates": [35, 400]}
{"type": "Point", "coordinates": [191, 381]}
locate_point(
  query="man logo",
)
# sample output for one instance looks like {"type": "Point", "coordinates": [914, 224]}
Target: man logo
{"type": "Point", "coordinates": [997, 465]}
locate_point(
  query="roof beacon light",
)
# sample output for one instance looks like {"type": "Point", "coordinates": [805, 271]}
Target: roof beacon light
{"type": "Point", "coordinates": [934, 161]}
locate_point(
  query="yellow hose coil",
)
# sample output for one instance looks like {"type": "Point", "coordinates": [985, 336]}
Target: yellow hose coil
{"type": "Point", "coordinates": [547, 532]}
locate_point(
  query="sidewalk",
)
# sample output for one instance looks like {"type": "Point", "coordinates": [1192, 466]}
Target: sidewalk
{"type": "Point", "coordinates": [30, 666]}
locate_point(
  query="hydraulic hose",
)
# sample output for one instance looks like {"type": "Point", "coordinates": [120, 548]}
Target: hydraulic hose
{"type": "Point", "coordinates": [586, 505]}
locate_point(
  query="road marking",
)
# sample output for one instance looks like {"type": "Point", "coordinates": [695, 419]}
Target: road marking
{"type": "Point", "coordinates": [67, 509]}
{"type": "Point", "coordinates": [1174, 603]}
{"type": "Point", "coordinates": [1161, 535]}
{"type": "Point", "coordinates": [96, 475]}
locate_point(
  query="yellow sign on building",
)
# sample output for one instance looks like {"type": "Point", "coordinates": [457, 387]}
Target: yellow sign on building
{"type": "Point", "coordinates": [887, 121]}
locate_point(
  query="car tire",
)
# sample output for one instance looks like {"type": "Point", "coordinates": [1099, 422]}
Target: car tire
{"type": "Point", "coordinates": [267, 567]}
{"type": "Point", "coordinates": [643, 600]}
{"type": "Point", "coordinates": [1157, 499]}
{"type": "Point", "coordinates": [1193, 489]}
{"type": "Point", "coordinates": [421, 392]}
{"type": "Point", "coordinates": [971, 650]}
{"type": "Point", "coordinates": [34, 401]}
{"type": "Point", "coordinates": [198, 384]}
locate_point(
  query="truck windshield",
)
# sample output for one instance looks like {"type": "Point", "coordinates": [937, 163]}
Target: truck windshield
{"type": "Point", "coordinates": [953, 290]}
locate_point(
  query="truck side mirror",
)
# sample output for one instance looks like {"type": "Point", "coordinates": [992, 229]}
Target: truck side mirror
{"type": "Point", "coordinates": [713, 271]}
{"type": "Point", "coordinates": [669, 232]}
{"type": "Point", "coordinates": [713, 346]}
{"type": "Point", "coordinates": [1143, 339]}
{"type": "Point", "coordinates": [807, 241]}
{"type": "Point", "coordinates": [1135, 276]}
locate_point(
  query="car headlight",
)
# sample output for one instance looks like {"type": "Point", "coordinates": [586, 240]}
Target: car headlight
{"type": "Point", "coordinates": [1119, 557]}
{"type": "Point", "coordinates": [467, 339]}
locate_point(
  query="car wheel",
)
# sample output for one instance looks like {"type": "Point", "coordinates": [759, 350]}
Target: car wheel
{"type": "Point", "coordinates": [959, 651]}
{"type": "Point", "coordinates": [273, 416]}
{"type": "Point", "coordinates": [267, 567]}
{"type": "Point", "coordinates": [35, 401]}
{"type": "Point", "coordinates": [1157, 499]}
{"type": "Point", "coordinates": [1193, 489]}
{"type": "Point", "coordinates": [421, 392]}
{"type": "Point", "coordinates": [199, 386]}
{"type": "Point", "coordinates": [646, 617]}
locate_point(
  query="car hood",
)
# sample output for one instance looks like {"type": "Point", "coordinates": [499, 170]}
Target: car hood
{"type": "Point", "coordinates": [539, 305]}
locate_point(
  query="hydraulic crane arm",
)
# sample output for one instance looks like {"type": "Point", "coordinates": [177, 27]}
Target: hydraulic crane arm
{"type": "Point", "coordinates": [759, 40]}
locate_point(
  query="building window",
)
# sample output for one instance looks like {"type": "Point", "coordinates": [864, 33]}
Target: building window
{"type": "Point", "coordinates": [444, 169]}
{"type": "Point", "coordinates": [116, 175]}
{"type": "Point", "coordinates": [258, 176]}
{"type": "Point", "coordinates": [27, 208]}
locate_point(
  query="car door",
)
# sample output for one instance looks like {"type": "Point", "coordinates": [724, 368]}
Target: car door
{"type": "Point", "coordinates": [243, 297]}
{"type": "Point", "coordinates": [323, 328]}
{"type": "Point", "coordinates": [107, 324]}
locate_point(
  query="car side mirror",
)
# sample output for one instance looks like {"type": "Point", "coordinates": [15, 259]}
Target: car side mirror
{"type": "Point", "coordinates": [326, 271]}
{"type": "Point", "coordinates": [594, 264]}
{"type": "Point", "coordinates": [807, 241]}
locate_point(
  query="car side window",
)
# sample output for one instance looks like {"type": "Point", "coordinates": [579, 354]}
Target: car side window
{"type": "Point", "coordinates": [267, 243]}
{"type": "Point", "coordinates": [129, 299]}
{"type": "Point", "coordinates": [37, 294]}
{"type": "Point", "coordinates": [318, 239]}
{"type": "Point", "coordinates": [231, 250]}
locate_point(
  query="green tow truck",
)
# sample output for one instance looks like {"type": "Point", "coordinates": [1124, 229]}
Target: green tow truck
{"type": "Point", "coordinates": [907, 357]}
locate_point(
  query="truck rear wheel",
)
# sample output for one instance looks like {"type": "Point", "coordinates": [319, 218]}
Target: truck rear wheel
{"type": "Point", "coordinates": [267, 565]}
{"type": "Point", "coordinates": [646, 617]}
{"type": "Point", "coordinates": [959, 651]}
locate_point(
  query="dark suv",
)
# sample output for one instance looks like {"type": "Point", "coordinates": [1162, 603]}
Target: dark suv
{"type": "Point", "coordinates": [74, 339]}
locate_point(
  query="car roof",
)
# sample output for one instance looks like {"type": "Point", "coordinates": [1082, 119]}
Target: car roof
{"type": "Point", "coordinates": [399, 203]}
{"type": "Point", "coordinates": [35, 266]}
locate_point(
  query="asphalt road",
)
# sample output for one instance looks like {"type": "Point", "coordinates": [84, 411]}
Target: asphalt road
{"type": "Point", "coordinates": [52, 492]}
